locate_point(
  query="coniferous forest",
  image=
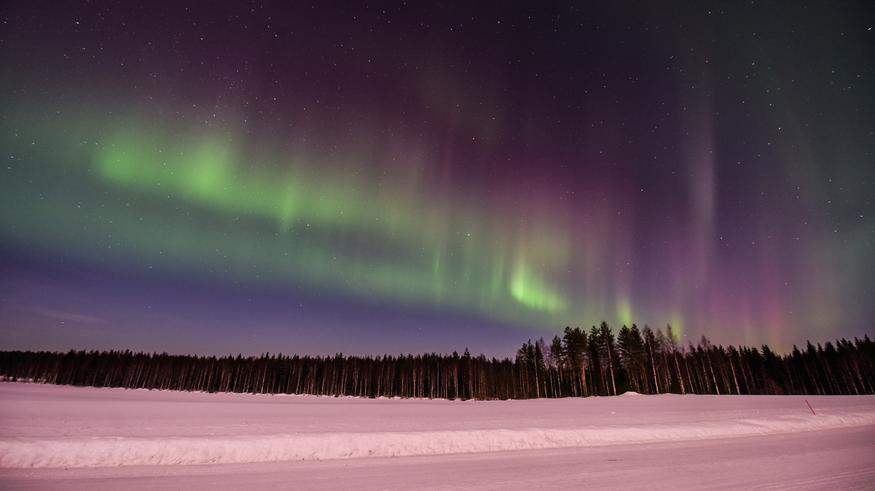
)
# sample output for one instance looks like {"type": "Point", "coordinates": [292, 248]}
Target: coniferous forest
{"type": "Point", "coordinates": [576, 364]}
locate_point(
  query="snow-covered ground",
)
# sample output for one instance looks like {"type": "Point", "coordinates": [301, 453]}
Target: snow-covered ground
{"type": "Point", "coordinates": [52, 436]}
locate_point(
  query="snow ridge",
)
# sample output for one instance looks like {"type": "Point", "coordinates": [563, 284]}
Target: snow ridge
{"type": "Point", "coordinates": [104, 451]}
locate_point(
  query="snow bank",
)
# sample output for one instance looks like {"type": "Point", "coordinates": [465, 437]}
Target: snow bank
{"type": "Point", "coordinates": [119, 451]}
{"type": "Point", "coordinates": [77, 441]}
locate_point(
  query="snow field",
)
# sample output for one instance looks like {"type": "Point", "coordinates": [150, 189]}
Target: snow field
{"type": "Point", "coordinates": [51, 427]}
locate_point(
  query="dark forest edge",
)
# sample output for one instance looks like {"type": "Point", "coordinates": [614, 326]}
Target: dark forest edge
{"type": "Point", "coordinates": [577, 364]}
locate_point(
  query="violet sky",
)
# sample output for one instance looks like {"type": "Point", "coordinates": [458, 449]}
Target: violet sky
{"type": "Point", "coordinates": [214, 177]}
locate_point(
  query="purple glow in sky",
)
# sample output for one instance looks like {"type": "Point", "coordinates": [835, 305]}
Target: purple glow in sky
{"type": "Point", "coordinates": [393, 177]}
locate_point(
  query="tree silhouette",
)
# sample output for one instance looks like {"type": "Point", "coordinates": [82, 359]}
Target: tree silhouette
{"type": "Point", "coordinates": [575, 364]}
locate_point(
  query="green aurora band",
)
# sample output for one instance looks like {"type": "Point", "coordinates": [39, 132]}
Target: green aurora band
{"type": "Point", "coordinates": [143, 193]}
{"type": "Point", "coordinates": [461, 271]}
{"type": "Point", "coordinates": [290, 225]}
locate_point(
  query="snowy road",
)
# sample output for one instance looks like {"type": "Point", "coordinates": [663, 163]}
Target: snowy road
{"type": "Point", "coordinates": [81, 438]}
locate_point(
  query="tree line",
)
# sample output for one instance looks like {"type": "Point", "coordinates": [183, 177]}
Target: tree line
{"type": "Point", "coordinates": [576, 364]}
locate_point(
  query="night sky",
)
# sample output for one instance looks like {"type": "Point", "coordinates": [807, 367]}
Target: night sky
{"type": "Point", "coordinates": [244, 177]}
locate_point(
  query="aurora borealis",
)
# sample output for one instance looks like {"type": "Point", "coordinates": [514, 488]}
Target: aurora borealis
{"type": "Point", "coordinates": [391, 177]}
